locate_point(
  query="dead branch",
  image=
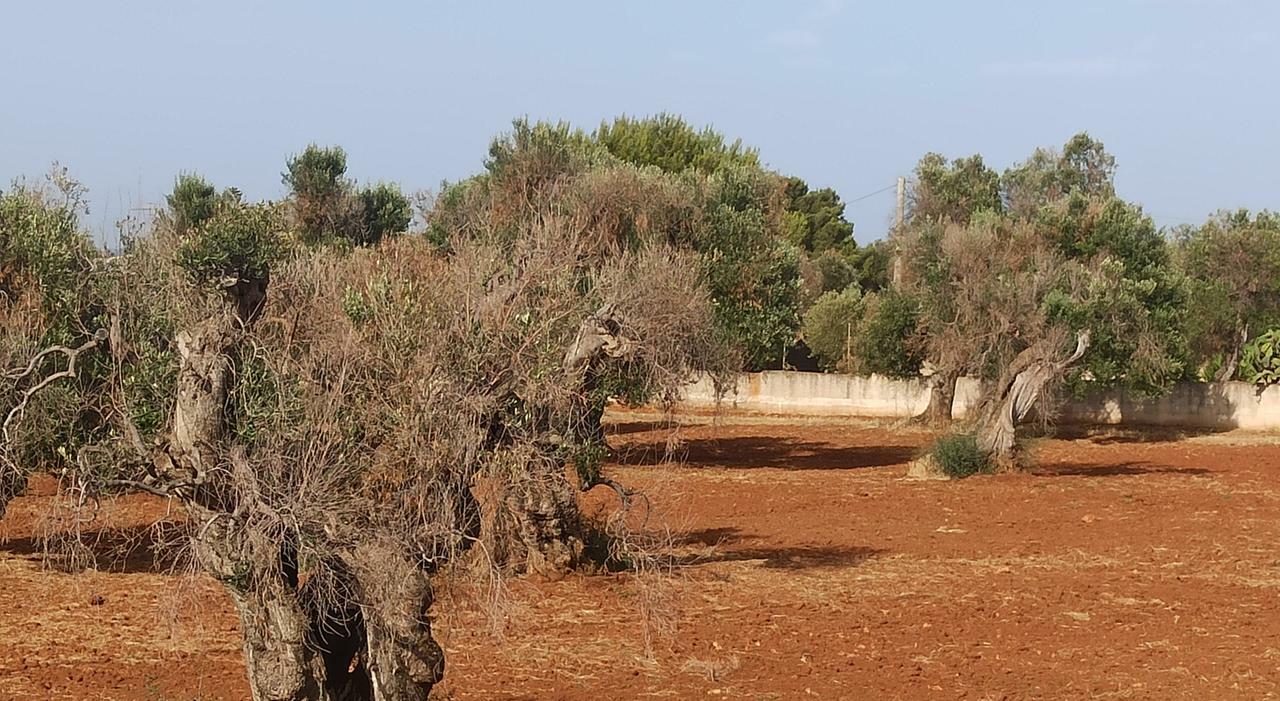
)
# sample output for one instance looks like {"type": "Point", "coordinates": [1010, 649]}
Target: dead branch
{"type": "Point", "coordinates": [72, 355]}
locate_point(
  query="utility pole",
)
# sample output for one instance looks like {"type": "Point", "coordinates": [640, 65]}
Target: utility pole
{"type": "Point", "coordinates": [897, 230]}
{"type": "Point", "coordinates": [902, 201]}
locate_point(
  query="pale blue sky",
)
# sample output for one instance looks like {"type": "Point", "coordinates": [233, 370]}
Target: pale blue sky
{"type": "Point", "coordinates": [845, 93]}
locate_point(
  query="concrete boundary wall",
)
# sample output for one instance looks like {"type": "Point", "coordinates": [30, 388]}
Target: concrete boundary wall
{"type": "Point", "coordinates": [1218, 406]}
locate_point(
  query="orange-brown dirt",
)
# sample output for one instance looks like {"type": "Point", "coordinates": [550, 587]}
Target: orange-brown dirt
{"type": "Point", "coordinates": [802, 566]}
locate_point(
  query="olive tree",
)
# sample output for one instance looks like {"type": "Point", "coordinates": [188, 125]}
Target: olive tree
{"type": "Point", "coordinates": [327, 208]}
{"type": "Point", "coordinates": [49, 328]}
{"type": "Point", "coordinates": [1026, 316]}
{"type": "Point", "coordinates": [1232, 263]}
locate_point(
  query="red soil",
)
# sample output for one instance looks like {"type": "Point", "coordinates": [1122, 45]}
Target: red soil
{"type": "Point", "coordinates": [803, 566]}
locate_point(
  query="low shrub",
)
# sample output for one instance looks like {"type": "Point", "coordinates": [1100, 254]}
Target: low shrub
{"type": "Point", "coordinates": [959, 456]}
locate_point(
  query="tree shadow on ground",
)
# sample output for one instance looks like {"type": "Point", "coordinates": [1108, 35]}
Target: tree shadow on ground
{"type": "Point", "coordinates": [760, 451]}
{"type": "Point", "coordinates": [720, 547]}
{"type": "Point", "coordinates": [1112, 435]}
{"type": "Point", "coordinates": [1075, 469]}
{"type": "Point", "coordinates": [136, 549]}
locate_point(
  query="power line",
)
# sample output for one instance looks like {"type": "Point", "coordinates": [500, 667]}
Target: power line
{"type": "Point", "coordinates": [871, 194]}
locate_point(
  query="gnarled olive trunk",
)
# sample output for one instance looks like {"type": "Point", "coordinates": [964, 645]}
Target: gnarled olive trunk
{"type": "Point", "coordinates": [542, 522]}
{"type": "Point", "coordinates": [402, 660]}
{"type": "Point", "coordinates": [1016, 393]}
{"type": "Point", "coordinates": [262, 578]}
{"type": "Point", "coordinates": [539, 528]}
{"type": "Point", "coordinates": [942, 395]}
{"type": "Point", "coordinates": [255, 568]}
{"type": "Point", "coordinates": [297, 646]}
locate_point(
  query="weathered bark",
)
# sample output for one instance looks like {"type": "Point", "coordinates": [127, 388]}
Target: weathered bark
{"type": "Point", "coordinates": [298, 646]}
{"type": "Point", "coordinates": [257, 570]}
{"type": "Point", "coordinates": [1016, 393]}
{"type": "Point", "coordinates": [262, 580]}
{"type": "Point", "coordinates": [403, 660]}
{"type": "Point", "coordinates": [539, 525]}
{"type": "Point", "coordinates": [942, 395]}
{"type": "Point", "coordinates": [544, 523]}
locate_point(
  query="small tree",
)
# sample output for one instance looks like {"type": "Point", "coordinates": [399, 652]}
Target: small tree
{"type": "Point", "coordinates": [952, 191]}
{"type": "Point", "coordinates": [1022, 315]}
{"type": "Point", "coordinates": [671, 144]}
{"type": "Point", "coordinates": [192, 202]}
{"type": "Point", "coordinates": [50, 329]}
{"type": "Point", "coordinates": [1233, 267]}
{"type": "Point", "coordinates": [1083, 167]}
{"type": "Point", "coordinates": [384, 210]}
{"type": "Point", "coordinates": [831, 325]}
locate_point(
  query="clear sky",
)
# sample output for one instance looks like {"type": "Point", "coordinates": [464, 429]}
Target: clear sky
{"type": "Point", "coordinates": [845, 93]}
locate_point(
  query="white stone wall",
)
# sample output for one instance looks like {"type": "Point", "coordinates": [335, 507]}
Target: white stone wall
{"type": "Point", "coordinates": [1190, 405]}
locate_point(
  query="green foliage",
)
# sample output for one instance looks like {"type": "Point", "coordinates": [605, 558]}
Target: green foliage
{"type": "Point", "coordinates": [831, 326]}
{"type": "Point", "coordinates": [192, 202]}
{"type": "Point", "coordinates": [954, 191]}
{"type": "Point", "coordinates": [668, 142]}
{"type": "Point", "coordinates": [1083, 167]}
{"type": "Point", "coordinates": [1232, 266]}
{"type": "Point", "coordinates": [384, 210]}
{"type": "Point", "coordinates": [42, 247]}
{"type": "Point", "coordinates": [1137, 307]}
{"type": "Point", "coordinates": [47, 299]}
{"type": "Point", "coordinates": [754, 278]}
{"type": "Point", "coordinates": [958, 456]}
{"type": "Point", "coordinates": [238, 243]}
{"type": "Point", "coordinates": [835, 272]}
{"type": "Point", "coordinates": [733, 217]}
{"type": "Point", "coordinates": [1260, 361]}
{"type": "Point", "coordinates": [886, 339]}
{"type": "Point", "coordinates": [820, 223]}
{"type": "Point", "coordinates": [536, 155]}
{"type": "Point", "coordinates": [318, 173]}
{"type": "Point", "coordinates": [871, 265]}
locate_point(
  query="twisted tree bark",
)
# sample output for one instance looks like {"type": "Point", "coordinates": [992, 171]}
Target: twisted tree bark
{"type": "Point", "coordinates": [1016, 393]}
{"type": "Point", "coordinates": [942, 395]}
{"type": "Point", "coordinates": [377, 648]}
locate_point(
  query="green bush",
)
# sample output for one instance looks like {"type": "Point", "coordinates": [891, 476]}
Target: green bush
{"type": "Point", "coordinates": [384, 210]}
{"type": "Point", "coordinates": [831, 325]}
{"type": "Point", "coordinates": [959, 456]}
{"type": "Point", "coordinates": [885, 343]}
{"type": "Point", "coordinates": [238, 242]}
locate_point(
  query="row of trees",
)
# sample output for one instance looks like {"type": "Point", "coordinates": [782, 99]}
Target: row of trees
{"type": "Point", "coordinates": [1041, 276]}
{"type": "Point", "coordinates": [343, 411]}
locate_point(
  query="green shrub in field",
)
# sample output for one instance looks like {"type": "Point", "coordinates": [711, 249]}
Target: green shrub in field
{"type": "Point", "coordinates": [959, 456]}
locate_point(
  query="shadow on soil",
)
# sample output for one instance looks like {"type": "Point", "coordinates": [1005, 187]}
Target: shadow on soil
{"type": "Point", "coordinates": [138, 549]}
{"type": "Point", "coordinates": [1070, 469]}
{"type": "Point", "coordinates": [1110, 435]}
{"type": "Point", "coordinates": [758, 451]}
{"type": "Point", "coordinates": [721, 544]}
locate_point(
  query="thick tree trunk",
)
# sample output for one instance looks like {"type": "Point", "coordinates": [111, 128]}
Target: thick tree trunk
{"type": "Point", "coordinates": [259, 573]}
{"type": "Point", "coordinates": [254, 567]}
{"type": "Point", "coordinates": [1016, 393]}
{"type": "Point", "coordinates": [402, 658]}
{"type": "Point", "coordinates": [942, 395]}
{"type": "Point", "coordinates": [543, 522]}
{"type": "Point", "coordinates": [298, 645]}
